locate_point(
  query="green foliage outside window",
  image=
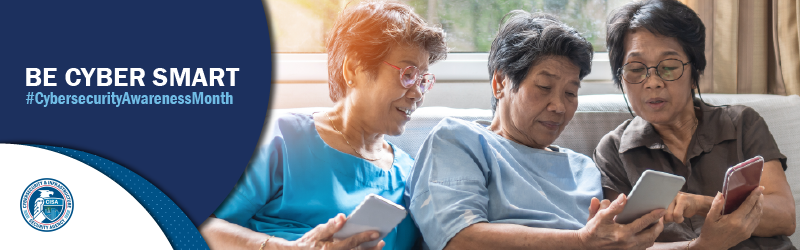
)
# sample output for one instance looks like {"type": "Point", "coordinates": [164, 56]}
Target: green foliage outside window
{"type": "Point", "coordinates": [301, 25]}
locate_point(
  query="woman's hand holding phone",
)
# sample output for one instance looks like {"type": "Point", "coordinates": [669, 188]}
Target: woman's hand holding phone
{"type": "Point", "coordinates": [725, 231]}
{"type": "Point", "coordinates": [601, 232]}
{"type": "Point", "coordinates": [597, 205]}
{"type": "Point", "coordinates": [321, 237]}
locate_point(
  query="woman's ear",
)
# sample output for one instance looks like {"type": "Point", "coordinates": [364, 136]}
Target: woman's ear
{"type": "Point", "coordinates": [498, 84]}
{"type": "Point", "coordinates": [349, 68]}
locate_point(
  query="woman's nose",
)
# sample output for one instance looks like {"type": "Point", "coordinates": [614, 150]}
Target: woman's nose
{"type": "Point", "coordinates": [556, 105]}
{"type": "Point", "coordinates": [414, 93]}
{"type": "Point", "coordinates": [654, 81]}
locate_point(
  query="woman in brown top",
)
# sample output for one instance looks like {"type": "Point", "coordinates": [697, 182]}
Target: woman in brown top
{"type": "Point", "coordinates": [657, 49]}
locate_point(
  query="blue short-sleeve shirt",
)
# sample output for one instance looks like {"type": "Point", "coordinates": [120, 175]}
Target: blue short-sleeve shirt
{"type": "Point", "coordinates": [465, 174]}
{"type": "Point", "coordinates": [295, 181]}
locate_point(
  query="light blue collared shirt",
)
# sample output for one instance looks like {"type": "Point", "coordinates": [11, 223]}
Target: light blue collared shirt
{"type": "Point", "coordinates": [465, 174]}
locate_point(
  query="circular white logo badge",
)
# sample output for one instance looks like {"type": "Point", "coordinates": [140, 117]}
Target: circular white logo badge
{"type": "Point", "coordinates": [46, 204]}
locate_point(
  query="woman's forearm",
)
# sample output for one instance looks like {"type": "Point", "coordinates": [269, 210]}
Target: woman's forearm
{"type": "Point", "coordinates": [510, 236]}
{"type": "Point", "coordinates": [682, 245]}
{"type": "Point", "coordinates": [778, 214]}
{"type": "Point", "coordinates": [777, 217]}
{"type": "Point", "coordinates": [679, 245]}
{"type": "Point", "coordinates": [220, 234]}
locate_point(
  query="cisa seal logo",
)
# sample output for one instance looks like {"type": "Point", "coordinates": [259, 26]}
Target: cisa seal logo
{"type": "Point", "coordinates": [46, 204]}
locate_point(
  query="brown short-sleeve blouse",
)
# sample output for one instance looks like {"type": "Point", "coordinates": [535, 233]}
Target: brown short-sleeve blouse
{"type": "Point", "coordinates": [725, 136]}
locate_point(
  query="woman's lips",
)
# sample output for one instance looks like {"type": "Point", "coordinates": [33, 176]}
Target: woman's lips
{"type": "Point", "coordinates": [656, 103]}
{"type": "Point", "coordinates": [550, 125]}
{"type": "Point", "coordinates": [405, 112]}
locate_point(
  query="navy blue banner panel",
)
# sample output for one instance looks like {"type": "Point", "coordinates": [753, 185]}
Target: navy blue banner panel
{"type": "Point", "coordinates": [176, 91]}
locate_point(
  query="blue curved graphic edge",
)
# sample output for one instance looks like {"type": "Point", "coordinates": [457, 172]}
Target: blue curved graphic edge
{"type": "Point", "coordinates": [178, 229]}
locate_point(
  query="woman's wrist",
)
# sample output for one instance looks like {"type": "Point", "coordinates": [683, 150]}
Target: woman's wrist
{"type": "Point", "coordinates": [580, 237]}
{"type": "Point", "coordinates": [284, 244]}
{"type": "Point", "coordinates": [705, 204]}
{"type": "Point", "coordinates": [695, 244]}
{"type": "Point", "coordinates": [273, 243]}
{"type": "Point", "coordinates": [699, 243]}
{"type": "Point", "coordinates": [281, 246]}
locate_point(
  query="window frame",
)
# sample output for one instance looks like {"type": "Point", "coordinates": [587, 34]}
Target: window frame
{"type": "Point", "coordinates": [458, 67]}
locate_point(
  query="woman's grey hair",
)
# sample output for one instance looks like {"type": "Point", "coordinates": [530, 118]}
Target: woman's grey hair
{"type": "Point", "coordinates": [368, 31]}
{"type": "Point", "coordinates": [668, 18]}
{"type": "Point", "coordinates": [526, 39]}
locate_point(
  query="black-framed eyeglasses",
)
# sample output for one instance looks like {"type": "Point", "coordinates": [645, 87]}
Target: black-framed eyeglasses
{"type": "Point", "coordinates": [637, 72]}
{"type": "Point", "coordinates": [410, 76]}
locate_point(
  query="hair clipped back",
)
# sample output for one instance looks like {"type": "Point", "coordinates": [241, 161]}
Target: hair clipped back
{"type": "Point", "coordinates": [525, 39]}
{"type": "Point", "coordinates": [668, 18]}
{"type": "Point", "coordinates": [368, 31]}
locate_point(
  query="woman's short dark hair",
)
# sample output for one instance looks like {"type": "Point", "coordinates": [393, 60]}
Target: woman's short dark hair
{"type": "Point", "coordinates": [668, 18]}
{"type": "Point", "coordinates": [368, 31]}
{"type": "Point", "coordinates": [526, 39]}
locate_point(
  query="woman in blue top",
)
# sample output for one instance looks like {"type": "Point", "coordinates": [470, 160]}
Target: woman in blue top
{"type": "Point", "coordinates": [310, 170]}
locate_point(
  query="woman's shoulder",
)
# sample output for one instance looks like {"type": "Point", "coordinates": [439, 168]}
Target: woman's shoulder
{"type": "Point", "coordinates": [738, 113]}
{"type": "Point", "coordinates": [399, 153]}
{"type": "Point", "coordinates": [575, 157]}
{"type": "Point", "coordinates": [614, 137]}
{"type": "Point", "coordinates": [286, 128]}
{"type": "Point", "coordinates": [454, 136]}
{"type": "Point", "coordinates": [291, 123]}
{"type": "Point", "coordinates": [457, 128]}
{"type": "Point", "coordinates": [402, 160]}
{"type": "Point", "coordinates": [291, 119]}
{"type": "Point", "coordinates": [740, 117]}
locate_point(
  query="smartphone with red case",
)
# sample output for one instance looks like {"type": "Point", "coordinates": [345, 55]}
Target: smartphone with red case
{"type": "Point", "coordinates": [740, 180]}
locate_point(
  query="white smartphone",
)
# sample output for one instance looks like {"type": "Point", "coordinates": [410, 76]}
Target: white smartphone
{"type": "Point", "coordinates": [653, 190]}
{"type": "Point", "coordinates": [374, 213]}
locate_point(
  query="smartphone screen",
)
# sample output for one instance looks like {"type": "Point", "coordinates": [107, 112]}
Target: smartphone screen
{"type": "Point", "coordinates": [652, 191]}
{"type": "Point", "coordinates": [374, 213]}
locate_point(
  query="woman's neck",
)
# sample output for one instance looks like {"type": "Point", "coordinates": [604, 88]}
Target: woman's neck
{"type": "Point", "coordinates": [681, 127]}
{"type": "Point", "coordinates": [500, 128]}
{"type": "Point", "coordinates": [355, 129]}
{"type": "Point", "coordinates": [680, 131]}
{"type": "Point", "coordinates": [678, 134]}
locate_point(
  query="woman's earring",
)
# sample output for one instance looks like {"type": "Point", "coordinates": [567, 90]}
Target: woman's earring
{"type": "Point", "coordinates": [350, 83]}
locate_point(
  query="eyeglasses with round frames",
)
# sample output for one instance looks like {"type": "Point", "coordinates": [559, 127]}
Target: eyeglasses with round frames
{"type": "Point", "coordinates": [409, 76]}
{"type": "Point", "coordinates": [637, 72]}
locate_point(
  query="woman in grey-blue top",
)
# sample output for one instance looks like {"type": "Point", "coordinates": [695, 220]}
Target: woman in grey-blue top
{"type": "Point", "coordinates": [501, 184]}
